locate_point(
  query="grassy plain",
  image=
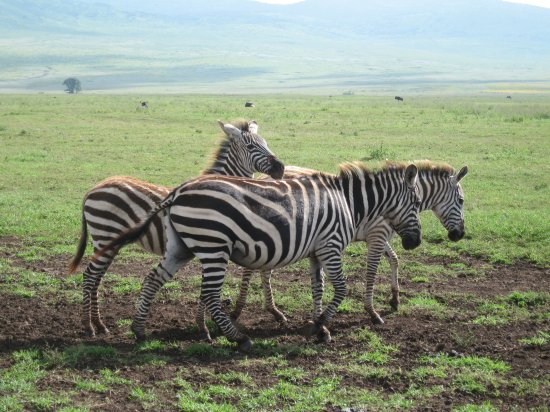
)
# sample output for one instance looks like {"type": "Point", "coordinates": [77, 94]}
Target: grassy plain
{"type": "Point", "coordinates": [53, 148]}
{"type": "Point", "coordinates": [56, 147]}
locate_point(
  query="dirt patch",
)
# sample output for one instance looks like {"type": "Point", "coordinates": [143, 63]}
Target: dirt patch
{"type": "Point", "coordinates": [52, 321]}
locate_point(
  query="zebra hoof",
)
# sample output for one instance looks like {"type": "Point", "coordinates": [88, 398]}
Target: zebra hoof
{"type": "Point", "coordinates": [315, 329]}
{"type": "Point", "coordinates": [394, 303]}
{"type": "Point", "coordinates": [89, 332]}
{"type": "Point", "coordinates": [139, 334]}
{"type": "Point", "coordinates": [376, 319]}
{"type": "Point", "coordinates": [244, 346]}
{"type": "Point", "coordinates": [324, 335]}
{"type": "Point", "coordinates": [279, 316]}
{"type": "Point", "coordinates": [102, 329]}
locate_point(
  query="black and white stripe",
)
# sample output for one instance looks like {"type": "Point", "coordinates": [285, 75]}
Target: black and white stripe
{"type": "Point", "coordinates": [261, 224]}
{"type": "Point", "coordinates": [439, 190]}
{"type": "Point", "coordinates": [120, 202]}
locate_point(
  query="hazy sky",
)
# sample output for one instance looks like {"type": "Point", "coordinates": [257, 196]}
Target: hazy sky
{"type": "Point", "coordinates": [540, 3]}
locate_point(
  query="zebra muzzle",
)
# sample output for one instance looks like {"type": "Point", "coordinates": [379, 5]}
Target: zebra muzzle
{"type": "Point", "coordinates": [455, 235]}
{"type": "Point", "coordinates": [411, 240]}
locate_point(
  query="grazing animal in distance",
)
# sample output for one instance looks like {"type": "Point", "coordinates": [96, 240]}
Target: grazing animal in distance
{"type": "Point", "coordinates": [266, 224]}
{"type": "Point", "coordinates": [398, 98]}
{"type": "Point", "coordinates": [119, 202]}
{"type": "Point", "coordinates": [142, 106]}
{"type": "Point", "coordinates": [249, 104]}
{"type": "Point", "coordinates": [508, 97]}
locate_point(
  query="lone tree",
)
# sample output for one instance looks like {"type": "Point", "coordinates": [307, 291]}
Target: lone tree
{"type": "Point", "coordinates": [72, 85]}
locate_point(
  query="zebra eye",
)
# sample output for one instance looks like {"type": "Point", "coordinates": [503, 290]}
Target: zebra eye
{"type": "Point", "coordinates": [460, 201]}
{"type": "Point", "coordinates": [250, 146]}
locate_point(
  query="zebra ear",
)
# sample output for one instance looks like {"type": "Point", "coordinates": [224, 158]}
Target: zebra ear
{"type": "Point", "coordinates": [230, 130]}
{"type": "Point", "coordinates": [410, 175]}
{"type": "Point", "coordinates": [461, 173]}
{"type": "Point", "coordinates": [253, 127]}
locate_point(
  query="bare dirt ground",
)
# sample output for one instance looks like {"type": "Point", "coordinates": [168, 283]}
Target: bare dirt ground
{"type": "Point", "coordinates": [45, 321]}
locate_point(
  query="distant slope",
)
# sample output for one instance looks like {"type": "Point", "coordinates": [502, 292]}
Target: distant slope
{"type": "Point", "coordinates": [240, 45]}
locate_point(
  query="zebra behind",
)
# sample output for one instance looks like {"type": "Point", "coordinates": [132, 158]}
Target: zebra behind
{"type": "Point", "coordinates": [261, 224]}
{"type": "Point", "coordinates": [439, 189]}
{"type": "Point", "coordinates": [120, 202]}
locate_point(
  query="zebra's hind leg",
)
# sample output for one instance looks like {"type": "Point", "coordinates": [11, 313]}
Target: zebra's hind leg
{"type": "Point", "coordinates": [214, 266]}
{"type": "Point", "coordinates": [91, 317]}
{"type": "Point", "coordinates": [243, 293]}
{"type": "Point", "coordinates": [201, 322]}
{"type": "Point", "coordinates": [268, 298]}
{"type": "Point", "coordinates": [393, 260]}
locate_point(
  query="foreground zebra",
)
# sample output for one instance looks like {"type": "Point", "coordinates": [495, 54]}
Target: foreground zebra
{"type": "Point", "coordinates": [119, 202]}
{"type": "Point", "coordinates": [439, 190]}
{"type": "Point", "coordinates": [262, 224]}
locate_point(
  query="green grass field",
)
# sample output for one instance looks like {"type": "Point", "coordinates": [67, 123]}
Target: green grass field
{"type": "Point", "coordinates": [53, 148]}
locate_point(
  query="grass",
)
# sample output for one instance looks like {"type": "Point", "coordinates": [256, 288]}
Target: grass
{"type": "Point", "coordinates": [64, 133]}
{"type": "Point", "coordinates": [57, 148]}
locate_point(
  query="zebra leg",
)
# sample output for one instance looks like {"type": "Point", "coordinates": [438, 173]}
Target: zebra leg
{"type": "Point", "coordinates": [213, 274]}
{"type": "Point", "coordinates": [317, 286]}
{"type": "Point", "coordinates": [268, 297]}
{"type": "Point", "coordinates": [393, 260]}
{"type": "Point", "coordinates": [91, 318]}
{"type": "Point", "coordinates": [175, 256]}
{"type": "Point", "coordinates": [374, 254]}
{"type": "Point", "coordinates": [243, 293]}
{"type": "Point", "coordinates": [201, 322]}
{"type": "Point", "coordinates": [332, 265]}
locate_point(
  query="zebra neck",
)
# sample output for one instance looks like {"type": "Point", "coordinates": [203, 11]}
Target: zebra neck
{"type": "Point", "coordinates": [226, 163]}
{"type": "Point", "coordinates": [432, 188]}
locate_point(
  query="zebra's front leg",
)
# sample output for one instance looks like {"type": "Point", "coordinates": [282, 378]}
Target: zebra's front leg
{"type": "Point", "coordinates": [213, 275]}
{"type": "Point", "coordinates": [268, 297]}
{"type": "Point", "coordinates": [374, 254]}
{"type": "Point", "coordinates": [317, 286]}
{"type": "Point", "coordinates": [393, 260]}
{"type": "Point", "coordinates": [332, 265]}
{"type": "Point", "coordinates": [243, 293]}
{"type": "Point", "coordinates": [91, 317]}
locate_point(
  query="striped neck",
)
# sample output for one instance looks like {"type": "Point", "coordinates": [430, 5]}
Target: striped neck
{"type": "Point", "coordinates": [227, 163]}
{"type": "Point", "coordinates": [433, 187]}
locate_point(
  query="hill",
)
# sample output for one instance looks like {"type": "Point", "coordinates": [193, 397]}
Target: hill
{"type": "Point", "coordinates": [244, 46]}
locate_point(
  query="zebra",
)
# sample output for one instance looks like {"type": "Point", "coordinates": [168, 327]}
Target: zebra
{"type": "Point", "coordinates": [440, 191]}
{"type": "Point", "coordinates": [262, 224]}
{"type": "Point", "coordinates": [119, 202]}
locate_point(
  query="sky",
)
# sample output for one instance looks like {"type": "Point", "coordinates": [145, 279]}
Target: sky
{"type": "Point", "coordinates": [539, 3]}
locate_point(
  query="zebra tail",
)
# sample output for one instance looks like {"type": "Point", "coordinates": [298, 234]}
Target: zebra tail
{"type": "Point", "coordinates": [81, 246]}
{"type": "Point", "coordinates": [132, 234]}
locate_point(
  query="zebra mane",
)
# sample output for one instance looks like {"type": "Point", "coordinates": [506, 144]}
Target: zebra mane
{"type": "Point", "coordinates": [439, 168]}
{"type": "Point", "coordinates": [353, 168]}
{"type": "Point", "coordinates": [219, 155]}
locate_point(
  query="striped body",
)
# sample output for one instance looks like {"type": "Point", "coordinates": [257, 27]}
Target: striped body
{"type": "Point", "coordinates": [439, 190]}
{"type": "Point", "coordinates": [270, 224]}
{"type": "Point", "coordinates": [120, 202]}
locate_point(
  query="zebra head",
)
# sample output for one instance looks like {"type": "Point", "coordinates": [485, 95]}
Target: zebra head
{"type": "Point", "coordinates": [450, 208]}
{"type": "Point", "coordinates": [404, 217]}
{"type": "Point", "coordinates": [249, 153]}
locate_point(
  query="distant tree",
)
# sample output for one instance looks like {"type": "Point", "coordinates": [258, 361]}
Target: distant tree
{"type": "Point", "coordinates": [72, 85]}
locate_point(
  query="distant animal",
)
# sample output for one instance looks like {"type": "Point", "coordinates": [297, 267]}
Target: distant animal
{"type": "Point", "coordinates": [142, 106]}
{"type": "Point", "coordinates": [508, 97]}
{"type": "Point", "coordinates": [249, 104]}
{"type": "Point", "coordinates": [399, 98]}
